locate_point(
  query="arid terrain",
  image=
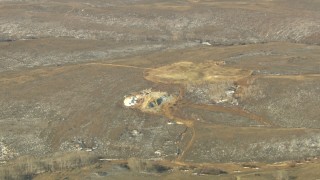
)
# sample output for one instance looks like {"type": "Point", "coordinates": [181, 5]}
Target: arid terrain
{"type": "Point", "coordinates": [158, 89]}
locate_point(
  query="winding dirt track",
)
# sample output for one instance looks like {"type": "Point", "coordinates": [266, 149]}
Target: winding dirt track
{"type": "Point", "coordinates": [191, 133]}
{"type": "Point", "coordinates": [236, 111]}
{"type": "Point", "coordinates": [190, 124]}
{"type": "Point", "coordinates": [169, 112]}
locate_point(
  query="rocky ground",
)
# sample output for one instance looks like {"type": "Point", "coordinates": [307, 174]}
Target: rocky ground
{"type": "Point", "coordinates": [66, 66]}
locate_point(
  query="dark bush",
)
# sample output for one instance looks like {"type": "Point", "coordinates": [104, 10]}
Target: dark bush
{"type": "Point", "coordinates": [209, 171]}
{"type": "Point", "coordinates": [158, 168]}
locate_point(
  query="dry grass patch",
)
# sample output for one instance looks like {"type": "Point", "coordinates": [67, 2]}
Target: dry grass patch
{"type": "Point", "coordinates": [27, 167]}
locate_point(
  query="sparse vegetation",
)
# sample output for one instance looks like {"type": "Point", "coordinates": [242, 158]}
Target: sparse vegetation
{"type": "Point", "coordinates": [209, 171]}
{"type": "Point", "coordinates": [27, 167]}
{"type": "Point", "coordinates": [236, 84]}
{"type": "Point", "coordinates": [141, 165]}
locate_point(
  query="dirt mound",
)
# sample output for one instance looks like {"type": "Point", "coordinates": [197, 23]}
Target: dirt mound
{"type": "Point", "coordinates": [196, 73]}
{"type": "Point", "coordinates": [148, 100]}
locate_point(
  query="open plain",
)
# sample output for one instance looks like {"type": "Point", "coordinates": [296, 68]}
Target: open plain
{"type": "Point", "coordinates": [232, 86]}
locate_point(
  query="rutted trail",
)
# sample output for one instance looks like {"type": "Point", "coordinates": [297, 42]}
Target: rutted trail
{"type": "Point", "coordinates": [168, 110]}
{"type": "Point", "coordinates": [234, 110]}
{"type": "Point", "coordinates": [160, 90]}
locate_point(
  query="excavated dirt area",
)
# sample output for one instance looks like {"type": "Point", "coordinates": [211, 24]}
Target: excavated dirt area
{"type": "Point", "coordinates": [159, 89]}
